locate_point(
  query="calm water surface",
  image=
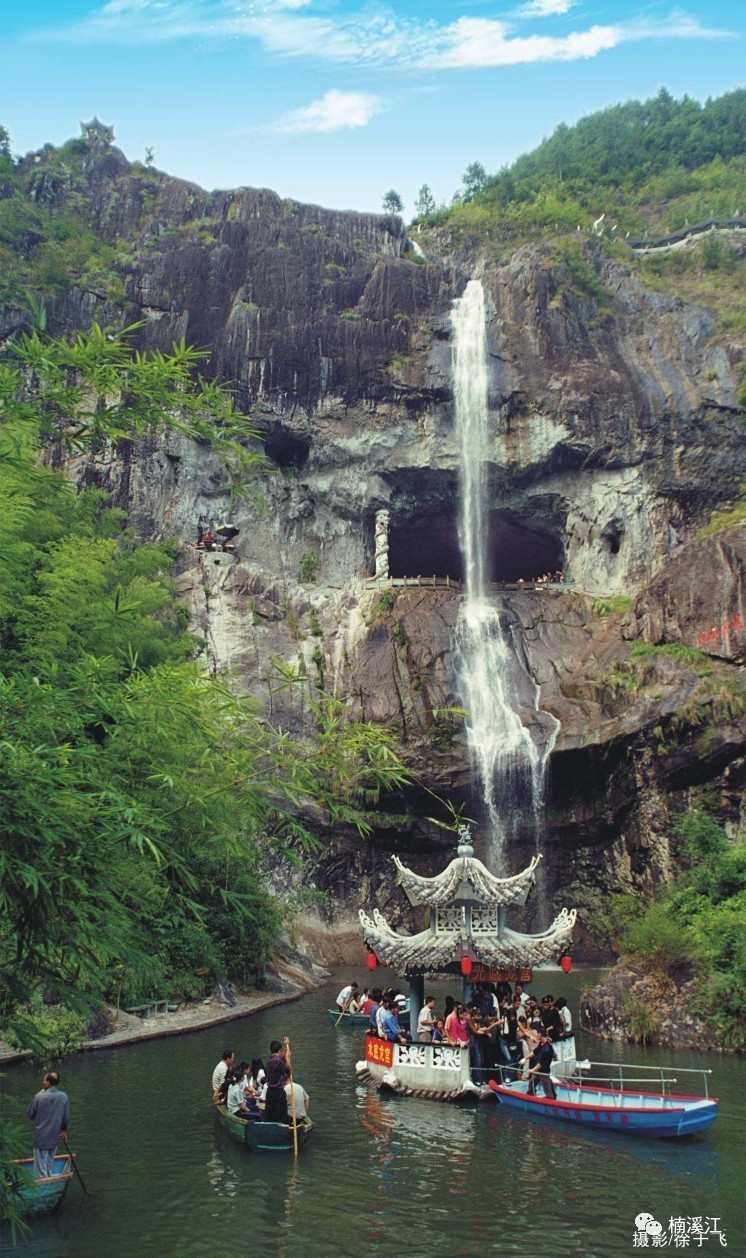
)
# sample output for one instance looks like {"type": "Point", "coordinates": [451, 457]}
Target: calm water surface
{"type": "Point", "coordinates": [380, 1175]}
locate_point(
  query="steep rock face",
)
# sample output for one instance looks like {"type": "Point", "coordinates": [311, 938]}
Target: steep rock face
{"type": "Point", "coordinates": [614, 432]}
{"type": "Point", "coordinates": [700, 598]}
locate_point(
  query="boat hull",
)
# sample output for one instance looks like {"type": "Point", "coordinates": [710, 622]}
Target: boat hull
{"type": "Point", "coordinates": [45, 1195]}
{"type": "Point", "coordinates": [360, 1019]}
{"type": "Point", "coordinates": [263, 1137]}
{"type": "Point", "coordinates": [635, 1113]}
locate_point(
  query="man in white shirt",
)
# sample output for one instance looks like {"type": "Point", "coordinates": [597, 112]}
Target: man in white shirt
{"type": "Point", "coordinates": [426, 1020]}
{"type": "Point", "coordinates": [381, 1012]}
{"type": "Point", "coordinates": [302, 1100]}
{"type": "Point", "coordinates": [222, 1068]}
{"type": "Point", "coordinates": [346, 996]}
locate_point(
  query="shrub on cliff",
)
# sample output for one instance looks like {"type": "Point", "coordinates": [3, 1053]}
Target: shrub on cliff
{"type": "Point", "coordinates": [700, 919]}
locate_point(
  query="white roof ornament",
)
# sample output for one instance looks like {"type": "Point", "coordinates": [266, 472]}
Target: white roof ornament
{"type": "Point", "coordinates": [466, 918]}
{"type": "Point", "coordinates": [466, 878]}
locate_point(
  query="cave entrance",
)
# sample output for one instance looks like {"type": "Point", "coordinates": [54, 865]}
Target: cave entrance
{"type": "Point", "coordinates": [286, 449]}
{"type": "Point", "coordinates": [428, 545]}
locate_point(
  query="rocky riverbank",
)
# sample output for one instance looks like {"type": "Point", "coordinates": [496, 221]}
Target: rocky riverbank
{"type": "Point", "coordinates": [633, 1005]}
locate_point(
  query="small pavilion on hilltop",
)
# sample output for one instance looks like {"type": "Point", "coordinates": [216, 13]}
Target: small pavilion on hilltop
{"type": "Point", "coordinates": [96, 133]}
{"type": "Point", "coordinates": [466, 933]}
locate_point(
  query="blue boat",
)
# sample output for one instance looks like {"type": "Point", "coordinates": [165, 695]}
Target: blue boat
{"type": "Point", "coordinates": [615, 1103]}
{"type": "Point", "coordinates": [44, 1195]}
{"type": "Point", "coordinates": [263, 1137]}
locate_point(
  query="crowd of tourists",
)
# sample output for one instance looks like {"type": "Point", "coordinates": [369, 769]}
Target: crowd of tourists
{"type": "Point", "coordinates": [507, 1032]}
{"type": "Point", "coordinates": [260, 1090]}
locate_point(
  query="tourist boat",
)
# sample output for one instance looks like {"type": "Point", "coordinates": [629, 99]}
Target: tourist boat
{"type": "Point", "coordinates": [361, 1019]}
{"type": "Point", "coordinates": [263, 1137]}
{"type": "Point", "coordinates": [44, 1195]}
{"type": "Point", "coordinates": [616, 1102]}
{"type": "Point", "coordinates": [442, 1072]}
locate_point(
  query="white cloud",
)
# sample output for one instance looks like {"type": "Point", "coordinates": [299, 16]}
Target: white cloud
{"type": "Point", "coordinates": [472, 42]}
{"type": "Point", "coordinates": [334, 111]}
{"type": "Point", "coordinates": [368, 37]}
{"type": "Point", "coordinates": [546, 8]}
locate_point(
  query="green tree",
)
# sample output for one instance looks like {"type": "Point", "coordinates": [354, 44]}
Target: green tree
{"type": "Point", "coordinates": [474, 180]}
{"type": "Point", "coordinates": [425, 203]}
{"type": "Point", "coordinates": [392, 202]}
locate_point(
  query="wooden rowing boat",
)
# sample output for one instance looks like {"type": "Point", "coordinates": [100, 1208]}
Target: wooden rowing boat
{"type": "Point", "coordinates": [361, 1019]}
{"type": "Point", "coordinates": [262, 1137]}
{"type": "Point", "coordinates": [612, 1103]}
{"type": "Point", "coordinates": [44, 1195]}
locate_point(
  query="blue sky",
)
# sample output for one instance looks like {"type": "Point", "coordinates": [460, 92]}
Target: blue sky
{"type": "Point", "coordinates": [336, 101]}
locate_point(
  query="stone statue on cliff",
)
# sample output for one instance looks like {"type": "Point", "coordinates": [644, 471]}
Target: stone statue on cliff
{"type": "Point", "coordinates": [382, 545]}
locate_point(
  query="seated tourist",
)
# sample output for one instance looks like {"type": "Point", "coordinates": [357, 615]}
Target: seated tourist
{"type": "Point", "coordinates": [439, 1031]}
{"type": "Point", "coordinates": [297, 1095]}
{"type": "Point", "coordinates": [235, 1099]}
{"type": "Point", "coordinates": [256, 1076]}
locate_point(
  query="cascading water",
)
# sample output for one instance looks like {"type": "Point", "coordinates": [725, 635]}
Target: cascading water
{"type": "Point", "coordinates": [511, 767]}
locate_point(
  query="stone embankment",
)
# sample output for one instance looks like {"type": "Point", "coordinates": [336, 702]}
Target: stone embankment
{"type": "Point", "coordinates": [290, 980]}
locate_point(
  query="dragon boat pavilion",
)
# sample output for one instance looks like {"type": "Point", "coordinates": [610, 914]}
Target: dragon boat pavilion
{"type": "Point", "coordinates": [466, 935]}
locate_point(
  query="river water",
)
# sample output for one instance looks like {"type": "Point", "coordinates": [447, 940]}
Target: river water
{"type": "Point", "coordinates": [380, 1175]}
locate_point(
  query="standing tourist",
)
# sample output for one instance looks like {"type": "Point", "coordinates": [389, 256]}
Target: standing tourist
{"type": "Point", "coordinates": [426, 1021]}
{"type": "Point", "coordinates": [277, 1071]}
{"type": "Point", "coordinates": [50, 1110]}
{"type": "Point", "coordinates": [346, 997]}
{"type": "Point", "coordinates": [540, 1065]}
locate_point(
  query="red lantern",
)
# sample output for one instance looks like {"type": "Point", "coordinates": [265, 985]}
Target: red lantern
{"type": "Point", "coordinates": [466, 966]}
{"type": "Point", "coordinates": [371, 960]}
{"type": "Point", "coordinates": [566, 963]}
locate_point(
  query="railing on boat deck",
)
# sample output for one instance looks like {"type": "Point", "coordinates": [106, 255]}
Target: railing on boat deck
{"type": "Point", "coordinates": [633, 1080]}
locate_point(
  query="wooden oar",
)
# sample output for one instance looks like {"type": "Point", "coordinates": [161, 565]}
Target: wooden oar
{"type": "Point", "coordinates": [292, 1104]}
{"type": "Point", "coordinates": [342, 1014]}
{"type": "Point", "coordinates": [77, 1172]}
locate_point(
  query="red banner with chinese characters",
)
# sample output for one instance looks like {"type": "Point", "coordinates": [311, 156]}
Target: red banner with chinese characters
{"type": "Point", "coordinates": [489, 974]}
{"type": "Point", "coordinates": [379, 1051]}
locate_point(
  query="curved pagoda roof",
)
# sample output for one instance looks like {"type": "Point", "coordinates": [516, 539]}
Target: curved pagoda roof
{"type": "Point", "coordinates": [466, 878]}
{"type": "Point", "coordinates": [434, 951]}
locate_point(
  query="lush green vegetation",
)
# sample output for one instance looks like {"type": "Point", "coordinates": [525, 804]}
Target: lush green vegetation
{"type": "Point", "coordinates": [48, 250]}
{"type": "Point", "coordinates": [136, 793]}
{"type": "Point", "coordinates": [133, 787]}
{"type": "Point", "coordinates": [698, 920]}
{"type": "Point", "coordinates": [650, 164]}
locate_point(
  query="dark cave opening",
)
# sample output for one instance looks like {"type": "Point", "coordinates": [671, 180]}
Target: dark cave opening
{"type": "Point", "coordinates": [429, 546]}
{"type": "Point", "coordinates": [285, 449]}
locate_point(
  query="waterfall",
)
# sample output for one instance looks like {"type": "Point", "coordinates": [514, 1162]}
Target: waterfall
{"type": "Point", "coordinates": [493, 676]}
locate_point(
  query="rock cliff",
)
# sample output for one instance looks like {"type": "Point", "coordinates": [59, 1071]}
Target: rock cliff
{"type": "Point", "coordinates": [615, 431]}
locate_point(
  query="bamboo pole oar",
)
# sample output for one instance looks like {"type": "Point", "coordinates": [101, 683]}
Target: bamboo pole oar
{"type": "Point", "coordinates": [86, 1191]}
{"type": "Point", "coordinates": [292, 1105]}
{"type": "Point", "coordinates": [342, 1014]}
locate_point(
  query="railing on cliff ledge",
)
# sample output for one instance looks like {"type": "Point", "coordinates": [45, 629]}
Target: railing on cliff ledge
{"type": "Point", "coordinates": [453, 583]}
